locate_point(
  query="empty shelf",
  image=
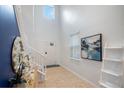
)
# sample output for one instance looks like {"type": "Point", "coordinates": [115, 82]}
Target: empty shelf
{"type": "Point", "coordinates": [111, 72]}
{"type": "Point", "coordinates": [108, 85]}
{"type": "Point", "coordinates": [110, 59]}
{"type": "Point", "coordinates": [113, 47]}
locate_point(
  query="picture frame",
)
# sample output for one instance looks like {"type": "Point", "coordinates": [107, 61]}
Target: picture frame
{"type": "Point", "coordinates": [91, 47]}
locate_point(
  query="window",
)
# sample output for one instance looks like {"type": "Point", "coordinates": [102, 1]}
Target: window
{"type": "Point", "coordinates": [49, 11]}
{"type": "Point", "coordinates": [75, 46]}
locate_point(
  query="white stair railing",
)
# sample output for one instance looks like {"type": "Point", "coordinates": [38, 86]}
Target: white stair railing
{"type": "Point", "coordinates": [38, 59]}
{"type": "Point", "coordinates": [37, 64]}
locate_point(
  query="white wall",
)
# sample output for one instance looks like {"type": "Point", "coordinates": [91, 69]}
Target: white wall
{"type": "Point", "coordinates": [123, 69]}
{"type": "Point", "coordinates": [48, 31]}
{"type": "Point", "coordinates": [39, 30]}
{"type": "Point", "coordinates": [123, 56]}
{"type": "Point", "coordinates": [123, 60]}
{"type": "Point", "coordinates": [90, 20]}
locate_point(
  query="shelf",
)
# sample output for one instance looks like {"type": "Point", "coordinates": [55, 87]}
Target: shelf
{"type": "Point", "coordinates": [110, 59]}
{"type": "Point", "coordinates": [113, 47]}
{"type": "Point", "coordinates": [111, 72]}
{"type": "Point", "coordinates": [113, 59]}
{"type": "Point", "coordinates": [108, 85]}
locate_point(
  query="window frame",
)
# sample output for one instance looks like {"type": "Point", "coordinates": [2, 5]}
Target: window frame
{"type": "Point", "coordinates": [71, 47]}
{"type": "Point", "coordinates": [48, 10]}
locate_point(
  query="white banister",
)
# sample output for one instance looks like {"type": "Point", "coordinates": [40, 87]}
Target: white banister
{"type": "Point", "coordinates": [36, 51]}
{"type": "Point", "coordinates": [38, 59]}
{"type": "Point", "coordinates": [37, 63]}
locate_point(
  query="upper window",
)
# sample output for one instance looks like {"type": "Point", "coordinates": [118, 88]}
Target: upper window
{"type": "Point", "coordinates": [49, 11]}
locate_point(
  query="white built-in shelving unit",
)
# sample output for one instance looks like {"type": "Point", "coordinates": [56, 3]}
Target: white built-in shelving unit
{"type": "Point", "coordinates": [112, 67]}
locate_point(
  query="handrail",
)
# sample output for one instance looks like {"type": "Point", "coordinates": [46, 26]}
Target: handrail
{"type": "Point", "coordinates": [37, 65]}
{"type": "Point", "coordinates": [37, 56]}
{"type": "Point", "coordinates": [36, 51]}
{"type": "Point", "coordinates": [41, 72]}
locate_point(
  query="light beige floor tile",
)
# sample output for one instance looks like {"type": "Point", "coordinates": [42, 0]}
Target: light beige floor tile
{"type": "Point", "coordinates": [58, 77]}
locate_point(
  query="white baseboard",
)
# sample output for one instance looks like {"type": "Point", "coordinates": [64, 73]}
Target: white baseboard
{"type": "Point", "coordinates": [84, 79]}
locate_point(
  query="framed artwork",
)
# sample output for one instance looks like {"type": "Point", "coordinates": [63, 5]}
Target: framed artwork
{"type": "Point", "coordinates": [91, 47]}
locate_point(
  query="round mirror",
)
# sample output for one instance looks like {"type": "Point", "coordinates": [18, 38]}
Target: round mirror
{"type": "Point", "coordinates": [17, 52]}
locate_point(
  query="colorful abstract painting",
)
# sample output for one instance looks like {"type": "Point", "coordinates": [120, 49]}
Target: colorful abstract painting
{"type": "Point", "coordinates": [91, 47]}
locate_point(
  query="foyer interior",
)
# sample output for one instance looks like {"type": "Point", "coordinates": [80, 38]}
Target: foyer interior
{"type": "Point", "coordinates": [51, 36]}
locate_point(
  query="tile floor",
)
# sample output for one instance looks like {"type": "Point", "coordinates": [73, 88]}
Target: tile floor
{"type": "Point", "coordinates": [58, 77]}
